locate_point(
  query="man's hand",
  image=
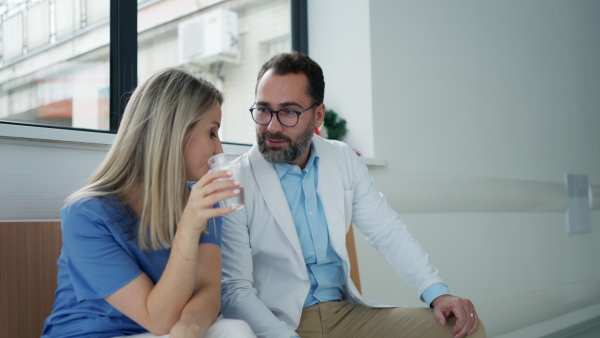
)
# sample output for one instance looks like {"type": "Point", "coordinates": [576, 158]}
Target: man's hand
{"type": "Point", "coordinates": [466, 318]}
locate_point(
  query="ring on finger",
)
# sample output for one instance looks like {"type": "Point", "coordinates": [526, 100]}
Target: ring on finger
{"type": "Point", "coordinates": [203, 192]}
{"type": "Point", "coordinates": [472, 315]}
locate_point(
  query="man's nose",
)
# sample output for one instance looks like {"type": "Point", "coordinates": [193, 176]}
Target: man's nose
{"type": "Point", "coordinates": [274, 126]}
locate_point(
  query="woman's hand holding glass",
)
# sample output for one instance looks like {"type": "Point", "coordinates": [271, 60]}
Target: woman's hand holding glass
{"type": "Point", "coordinates": [204, 195]}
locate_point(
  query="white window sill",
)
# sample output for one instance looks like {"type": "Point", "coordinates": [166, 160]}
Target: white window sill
{"type": "Point", "coordinates": [33, 133]}
{"type": "Point", "coordinates": [65, 136]}
{"type": "Point", "coordinates": [374, 162]}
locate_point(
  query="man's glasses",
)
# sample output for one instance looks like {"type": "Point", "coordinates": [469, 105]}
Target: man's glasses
{"type": "Point", "coordinates": [287, 117]}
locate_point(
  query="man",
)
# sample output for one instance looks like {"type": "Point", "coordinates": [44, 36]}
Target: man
{"type": "Point", "coordinates": [285, 263]}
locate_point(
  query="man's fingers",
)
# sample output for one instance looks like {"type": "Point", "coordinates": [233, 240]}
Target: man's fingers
{"type": "Point", "coordinates": [459, 325]}
{"type": "Point", "coordinates": [474, 328]}
{"type": "Point", "coordinates": [439, 316]}
{"type": "Point", "coordinates": [461, 329]}
{"type": "Point", "coordinates": [442, 320]}
{"type": "Point", "coordinates": [465, 324]}
{"type": "Point", "coordinates": [463, 310]}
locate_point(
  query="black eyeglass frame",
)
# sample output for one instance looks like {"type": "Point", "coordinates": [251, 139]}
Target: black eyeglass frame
{"type": "Point", "coordinates": [276, 112]}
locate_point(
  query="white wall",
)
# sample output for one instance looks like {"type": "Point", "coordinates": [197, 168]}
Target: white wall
{"type": "Point", "coordinates": [504, 90]}
{"type": "Point", "coordinates": [41, 167]}
{"type": "Point", "coordinates": [339, 41]}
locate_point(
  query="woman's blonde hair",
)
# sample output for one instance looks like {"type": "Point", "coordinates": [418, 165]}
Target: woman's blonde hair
{"type": "Point", "coordinates": [148, 151]}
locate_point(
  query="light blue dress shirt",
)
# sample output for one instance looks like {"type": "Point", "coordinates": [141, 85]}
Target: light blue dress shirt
{"type": "Point", "coordinates": [324, 266]}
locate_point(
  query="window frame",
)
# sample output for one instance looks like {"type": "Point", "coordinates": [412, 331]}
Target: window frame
{"type": "Point", "coordinates": [123, 56]}
{"type": "Point", "coordinates": [299, 20]}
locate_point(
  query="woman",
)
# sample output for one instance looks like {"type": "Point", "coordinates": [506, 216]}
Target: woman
{"type": "Point", "coordinates": [141, 250]}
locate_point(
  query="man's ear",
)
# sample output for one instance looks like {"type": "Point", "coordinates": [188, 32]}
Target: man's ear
{"type": "Point", "coordinates": [319, 115]}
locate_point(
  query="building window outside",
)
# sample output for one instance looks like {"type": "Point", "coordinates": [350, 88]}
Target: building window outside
{"type": "Point", "coordinates": [202, 41]}
{"type": "Point", "coordinates": [54, 55]}
{"type": "Point", "coordinates": [54, 68]}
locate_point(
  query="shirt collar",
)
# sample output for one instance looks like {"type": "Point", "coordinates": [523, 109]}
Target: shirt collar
{"type": "Point", "coordinates": [313, 159]}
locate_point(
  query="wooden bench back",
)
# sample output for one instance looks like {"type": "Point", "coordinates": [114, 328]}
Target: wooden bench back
{"type": "Point", "coordinates": [28, 255]}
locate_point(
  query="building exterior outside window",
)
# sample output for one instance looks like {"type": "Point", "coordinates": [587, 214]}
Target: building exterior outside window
{"type": "Point", "coordinates": [54, 55]}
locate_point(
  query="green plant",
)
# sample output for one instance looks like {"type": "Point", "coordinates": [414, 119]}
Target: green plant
{"type": "Point", "coordinates": [336, 126]}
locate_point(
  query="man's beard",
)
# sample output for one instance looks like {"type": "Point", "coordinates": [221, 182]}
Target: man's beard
{"type": "Point", "coordinates": [292, 152]}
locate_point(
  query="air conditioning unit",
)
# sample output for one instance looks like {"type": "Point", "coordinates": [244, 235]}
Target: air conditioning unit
{"type": "Point", "coordinates": [208, 38]}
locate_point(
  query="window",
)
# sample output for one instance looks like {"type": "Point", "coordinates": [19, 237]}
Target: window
{"type": "Point", "coordinates": [225, 42]}
{"type": "Point", "coordinates": [54, 66]}
{"type": "Point", "coordinates": [55, 55]}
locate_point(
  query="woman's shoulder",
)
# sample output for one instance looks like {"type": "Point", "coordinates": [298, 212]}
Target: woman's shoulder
{"type": "Point", "coordinates": [93, 203]}
{"type": "Point", "coordinates": [95, 212]}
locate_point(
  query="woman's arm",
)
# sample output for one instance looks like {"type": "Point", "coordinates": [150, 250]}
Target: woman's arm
{"type": "Point", "coordinates": [202, 310]}
{"type": "Point", "coordinates": [158, 307]}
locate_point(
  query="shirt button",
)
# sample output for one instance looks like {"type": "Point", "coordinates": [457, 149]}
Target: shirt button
{"type": "Point", "coordinates": [310, 213]}
{"type": "Point", "coordinates": [295, 169]}
{"type": "Point", "coordinates": [318, 245]}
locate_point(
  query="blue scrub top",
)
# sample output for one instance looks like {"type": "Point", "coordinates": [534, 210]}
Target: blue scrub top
{"type": "Point", "coordinates": [100, 255]}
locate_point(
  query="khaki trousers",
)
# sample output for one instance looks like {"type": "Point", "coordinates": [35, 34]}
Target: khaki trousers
{"type": "Point", "coordinates": [344, 320]}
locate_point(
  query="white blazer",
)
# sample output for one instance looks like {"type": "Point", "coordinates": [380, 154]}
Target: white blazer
{"type": "Point", "coordinates": [265, 281]}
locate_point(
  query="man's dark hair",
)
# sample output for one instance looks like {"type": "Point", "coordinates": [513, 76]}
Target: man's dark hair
{"type": "Point", "coordinates": [295, 62]}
